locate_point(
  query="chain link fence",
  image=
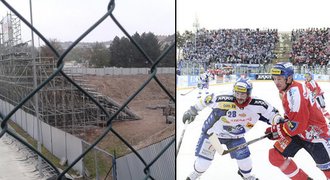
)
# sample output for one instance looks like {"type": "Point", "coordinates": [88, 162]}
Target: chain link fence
{"type": "Point", "coordinates": [58, 71]}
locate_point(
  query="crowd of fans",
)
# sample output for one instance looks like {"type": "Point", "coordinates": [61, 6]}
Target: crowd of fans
{"type": "Point", "coordinates": [310, 46]}
{"type": "Point", "coordinates": [247, 46]}
{"type": "Point", "coordinates": [244, 46]}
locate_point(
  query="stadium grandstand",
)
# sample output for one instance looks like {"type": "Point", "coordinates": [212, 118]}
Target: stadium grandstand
{"type": "Point", "coordinates": [251, 52]}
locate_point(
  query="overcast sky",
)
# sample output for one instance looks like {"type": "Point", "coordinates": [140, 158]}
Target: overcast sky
{"type": "Point", "coordinates": [66, 20]}
{"type": "Point", "coordinates": [284, 15]}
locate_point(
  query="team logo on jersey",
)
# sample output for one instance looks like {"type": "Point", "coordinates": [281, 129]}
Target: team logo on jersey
{"type": "Point", "coordinates": [239, 129]}
{"type": "Point", "coordinates": [292, 125]}
{"type": "Point", "coordinates": [227, 105]}
{"type": "Point", "coordinates": [249, 125]}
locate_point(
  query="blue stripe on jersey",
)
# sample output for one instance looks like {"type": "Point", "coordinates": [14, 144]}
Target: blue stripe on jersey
{"type": "Point", "coordinates": [213, 117]}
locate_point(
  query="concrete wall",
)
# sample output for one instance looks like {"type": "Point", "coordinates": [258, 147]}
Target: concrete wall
{"type": "Point", "coordinates": [130, 167]}
{"type": "Point", "coordinates": [58, 142]}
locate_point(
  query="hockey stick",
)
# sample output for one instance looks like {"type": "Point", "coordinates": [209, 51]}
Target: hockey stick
{"type": "Point", "coordinates": [183, 94]}
{"type": "Point", "coordinates": [218, 147]}
{"type": "Point", "coordinates": [182, 134]}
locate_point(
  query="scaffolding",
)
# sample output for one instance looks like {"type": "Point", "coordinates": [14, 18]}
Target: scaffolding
{"type": "Point", "coordinates": [61, 104]}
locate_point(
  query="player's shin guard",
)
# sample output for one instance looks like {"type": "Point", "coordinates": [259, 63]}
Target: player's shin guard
{"type": "Point", "coordinates": [200, 166]}
{"type": "Point", "coordinates": [245, 166]}
{"type": "Point", "coordinates": [287, 166]}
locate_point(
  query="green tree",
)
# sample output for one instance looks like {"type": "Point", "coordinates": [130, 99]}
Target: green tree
{"type": "Point", "coordinates": [135, 57]}
{"type": "Point", "coordinates": [151, 47]}
{"type": "Point", "coordinates": [120, 52]}
{"type": "Point", "coordinates": [124, 53]}
{"type": "Point", "coordinates": [100, 56]}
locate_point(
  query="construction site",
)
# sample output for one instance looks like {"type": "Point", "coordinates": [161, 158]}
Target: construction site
{"type": "Point", "coordinates": [59, 103]}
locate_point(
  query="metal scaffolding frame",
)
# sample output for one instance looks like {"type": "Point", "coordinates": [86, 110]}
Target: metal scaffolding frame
{"type": "Point", "coordinates": [61, 104]}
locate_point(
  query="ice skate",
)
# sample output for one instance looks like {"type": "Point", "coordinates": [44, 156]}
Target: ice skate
{"type": "Point", "coordinates": [251, 177]}
{"type": "Point", "coordinates": [194, 175]}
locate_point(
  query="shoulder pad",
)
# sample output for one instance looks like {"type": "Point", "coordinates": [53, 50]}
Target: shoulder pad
{"type": "Point", "coordinates": [259, 102]}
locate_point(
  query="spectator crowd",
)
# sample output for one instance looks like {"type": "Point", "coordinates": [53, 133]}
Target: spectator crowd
{"type": "Point", "coordinates": [248, 46]}
{"type": "Point", "coordinates": [244, 46]}
{"type": "Point", "coordinates": [310, 46]}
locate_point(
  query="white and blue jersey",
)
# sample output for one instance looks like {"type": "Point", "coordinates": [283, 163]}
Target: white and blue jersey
{"type": "Point", "coordinates": [230, 121]}
{"type": "Point", "coordinates": [203, 81]}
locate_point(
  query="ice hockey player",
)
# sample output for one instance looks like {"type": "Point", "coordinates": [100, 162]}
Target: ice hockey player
{"type": "Point", "coordinates": [203, 84]}
{"type": "Point", "coordinates": [305, 126]}
{"type": "Point", "coordinates": [233, 115]}
{"type": "Point", "coordinates": [316, 92]}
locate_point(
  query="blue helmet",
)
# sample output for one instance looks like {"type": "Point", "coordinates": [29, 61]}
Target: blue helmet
{"type": "Point", "coordinates": [282, 69]}
{"type": "Point", "coordinates": [243, 85]}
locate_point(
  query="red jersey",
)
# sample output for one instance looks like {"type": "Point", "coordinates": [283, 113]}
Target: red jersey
{"type": "Point", "coordinates": [314, 87]}
{"type": "Point", "coordinates": [306, 119]}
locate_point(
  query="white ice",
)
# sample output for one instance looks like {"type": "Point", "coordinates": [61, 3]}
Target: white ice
{"type": "Point", "coordinates": [223, 167]}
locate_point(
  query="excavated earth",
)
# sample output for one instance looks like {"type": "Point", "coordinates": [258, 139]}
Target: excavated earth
{"type": "Point", "coordinates": [148, 105]}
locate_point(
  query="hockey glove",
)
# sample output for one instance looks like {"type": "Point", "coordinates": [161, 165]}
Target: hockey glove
{"type": "Point", "coordinates": [275, 131]}
{"type": "Point", "coordinates": [189, 115]}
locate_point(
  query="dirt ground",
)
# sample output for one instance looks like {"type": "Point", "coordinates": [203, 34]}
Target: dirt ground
{"type": "Point", "coordinates": [152, 126]}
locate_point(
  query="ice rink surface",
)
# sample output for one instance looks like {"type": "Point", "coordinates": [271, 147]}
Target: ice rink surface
{"type": "Point", "coordinates": [223, 167]}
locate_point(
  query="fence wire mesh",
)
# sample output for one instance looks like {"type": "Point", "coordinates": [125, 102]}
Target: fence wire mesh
{"type": "Point", "coordinates": [58, 71]}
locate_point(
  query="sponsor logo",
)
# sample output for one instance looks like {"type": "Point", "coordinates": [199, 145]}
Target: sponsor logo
{"type": "Point", "coordinates": [275, 71]}
{"type": "Point", "coordinates": [249, 125]}
{"type": "Point", "coordinates": [241, 119]}
{"type": "Point", "coordinates": [260, 102]}
{"type": "Point", "coordinates": [242, 115]}
{"type": "Point", "coordinates": [225, 98]}
{"type": "Point", "coordinates": [238, 88]}
{"type": "Point", "coordinates": [227, 105]}
{"type": "Point", "coordinates": [264, 77]}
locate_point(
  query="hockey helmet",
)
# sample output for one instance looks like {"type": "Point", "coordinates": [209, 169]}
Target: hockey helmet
{"type": "Point", "coordinates": [282, 69]}
{"type": "Point", "coordinates": [308, 75]}
{"type": "Point", "coordinates": [243, 85]}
